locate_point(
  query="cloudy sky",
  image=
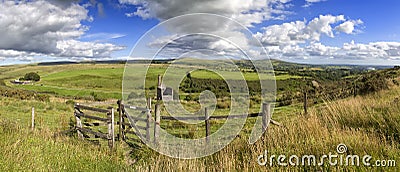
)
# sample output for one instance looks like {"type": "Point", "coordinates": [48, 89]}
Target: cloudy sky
{"type": "Point", "coordinates": [307, 31]}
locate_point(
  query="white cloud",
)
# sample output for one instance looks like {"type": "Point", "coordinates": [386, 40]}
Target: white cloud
{"type": "Point", "coordinates": [248, 12]}
{"type": "Point", "coordinates": [38, 27]}
{"type": "Point", "coordinates": [13, 53]}
{"type": "Point", "coordinates": [293, 40]}
{"type": "Point", "coordinates": [318, 49]}
{"type": "Point", "coordinates": [381, 50]}
{"type": "Point", "coordinates": [300, 40]}
{"type": "Point", "coordinates": [300, 31]}
{"type": "Point", "coordinates": [73, 48]}
{"type": "Point", "coordinates": [322, 25]}
{"type": "Point", "coordinates": [348, 52]}
{"type": "Point", "coordinates": [286, 33]}
{"type": "Point", "coordinates": [102, 36]}
{"type": "Point", "coordinates": [348, 26]}
{"type": "Point", "coordinates": [314, 1]}
{"type": "Point", "coordinates": [311, 2]}
{"type": "Point", "coordinates": [130, 14]}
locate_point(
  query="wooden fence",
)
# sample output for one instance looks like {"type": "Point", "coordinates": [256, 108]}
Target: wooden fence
{"type": "Point", "coordinates": [128, 123]}
{"type": "Point", "coordinates": [83, 128]}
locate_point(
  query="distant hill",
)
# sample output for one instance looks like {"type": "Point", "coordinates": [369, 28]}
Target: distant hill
{"type": "Point", "coordinates": [275, 63]}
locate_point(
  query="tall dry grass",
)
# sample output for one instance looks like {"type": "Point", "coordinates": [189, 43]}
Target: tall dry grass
{"type": "Point", "coordinates": [367, 125]}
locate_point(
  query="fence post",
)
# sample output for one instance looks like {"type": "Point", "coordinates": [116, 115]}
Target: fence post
{"type": "Point", "coordinates": [149, 103]}
{"type": "Point", "coordinates": [121, 122]}
{"type": "Point", "coordinates": [148, 120]}
{"type": "Point", "coordinates": [266, 115]}
{"type": "Point", "coordinates": [111, 138]}
{"type": "Point", "coordinates": [78, 122]}
{"type": "Point", "coordinates": [159, 88]}
{"type": "Point", "coordinates": [33, 118]}
{"type": "Point", "coordinates": [305, 103]}
{"type": "Point", "coordinates": [207, 121]}
{"type": "Point", "coordinates": [157, 123]}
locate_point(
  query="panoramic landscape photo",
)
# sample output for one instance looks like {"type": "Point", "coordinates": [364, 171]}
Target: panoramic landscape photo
{"type": "Point", "coordinates": [185, 85]}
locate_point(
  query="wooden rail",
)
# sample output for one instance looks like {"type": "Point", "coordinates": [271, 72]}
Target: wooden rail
{"type": "Point", "coordinates": [79, 106]}
{"type": "Point", "coordinates": [129, 124]}
{"type": "Point", "coordinates": [210, 117]}
{"type": "Point", "coordinates": [108, 121]}
{"type": "Point", "coordinates": [81, 114]}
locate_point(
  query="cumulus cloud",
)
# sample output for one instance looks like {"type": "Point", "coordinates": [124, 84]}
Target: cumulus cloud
{"type": "Point", "coordinates": [15, 54]}
{"type": "Point", "coordinates": [322, 25]}
{"type": "Point", "coordinates": [301, 31]}
{"type": "Point", "coordinates": [301, 40]}
{"type": "Point", "coordinates": [286, 33]}
{"type": "Point", "coordinates": [291, 40]}
{"type": "Point", "coordinates": [348, 52]}
{"type": "Point", "coordinates": [73, 48]}
{"type": "Point", "coordinates": [38, 27]}
{"type": "Point", "coordinates": [247, 12]}
{"type": "Point", "coordinates": [318, 49]}
{"type": "Point", "coordinates": [382, 50]}
{"type": "Point", "coordinates": [173, 46]}
{"type": "Point", "coordinates": [348, 26]}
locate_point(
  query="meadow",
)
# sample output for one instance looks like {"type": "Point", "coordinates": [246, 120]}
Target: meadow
{"type": "Point", "coordinates": [367, 124]}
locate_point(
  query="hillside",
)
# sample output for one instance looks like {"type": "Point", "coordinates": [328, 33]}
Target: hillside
{"type": "Point", "coordinates": [366, 124]}
{"type": "Point", "coordinates": [354, 106]}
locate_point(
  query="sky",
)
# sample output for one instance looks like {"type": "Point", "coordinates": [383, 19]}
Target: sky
{"type": "Point", "coordinates": [305, 31]}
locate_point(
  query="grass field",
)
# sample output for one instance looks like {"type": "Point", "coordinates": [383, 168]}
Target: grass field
{"type": "Point", "coordinates": [366, 128]}
{"type": "Point", "coordinates": [367, 124]}
{"type": "Point", "coordinates": [99, 81]}
{"type": "Point", "coordinates": [249, 76]}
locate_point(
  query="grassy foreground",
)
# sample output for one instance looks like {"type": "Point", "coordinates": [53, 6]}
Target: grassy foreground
{"type": "Point", "coordinates": [367, 125]}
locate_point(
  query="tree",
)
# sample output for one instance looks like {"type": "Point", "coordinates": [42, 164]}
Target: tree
{"type": "Point", "coordinates": [32, 76]}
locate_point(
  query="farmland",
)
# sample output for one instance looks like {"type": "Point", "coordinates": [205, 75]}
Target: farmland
{"type": "Point", "coordinates": [366, 119]}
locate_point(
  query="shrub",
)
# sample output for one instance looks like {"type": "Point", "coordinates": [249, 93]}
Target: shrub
{"type": "Point", "coordinates": [152, 87]}
{"type": "Point", "coordinates": [70, 102]}
{"type": "Point", "coordinates": [32, 76]}
{"type": "Point", "coordinates": [42, 97]}
{"type": "Point", "coordinates": [223, 104]}
{"type": "Point", "coordinates": [188, 98]}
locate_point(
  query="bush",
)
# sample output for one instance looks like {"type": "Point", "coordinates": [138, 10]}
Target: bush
{"type": "Point", "coordinates": [223, 104]}
{"type": "Point", "coordinates": [188, 98]}
{"type": "Point", "coordinates": [42, 97]}
{"type": "Point", "coordinates": [32, 76]}
{"type": "Point", "coordinates": [70, 102]}
{"type": "Point", "coordinates": [152, 87]}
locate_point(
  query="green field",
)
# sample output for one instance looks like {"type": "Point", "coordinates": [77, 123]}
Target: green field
{"type": "Point", "coordinates": [364, 128]}
{"type": "Point", "coordinates": [249, 76]}
{"type": "Point", "coordinates": [367, 124]}
{"type": "Point", "coordinates": [100, 81]}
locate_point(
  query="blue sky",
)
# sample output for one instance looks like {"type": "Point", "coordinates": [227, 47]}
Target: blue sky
{"type": "Point", "coordinates": [307, 31]}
